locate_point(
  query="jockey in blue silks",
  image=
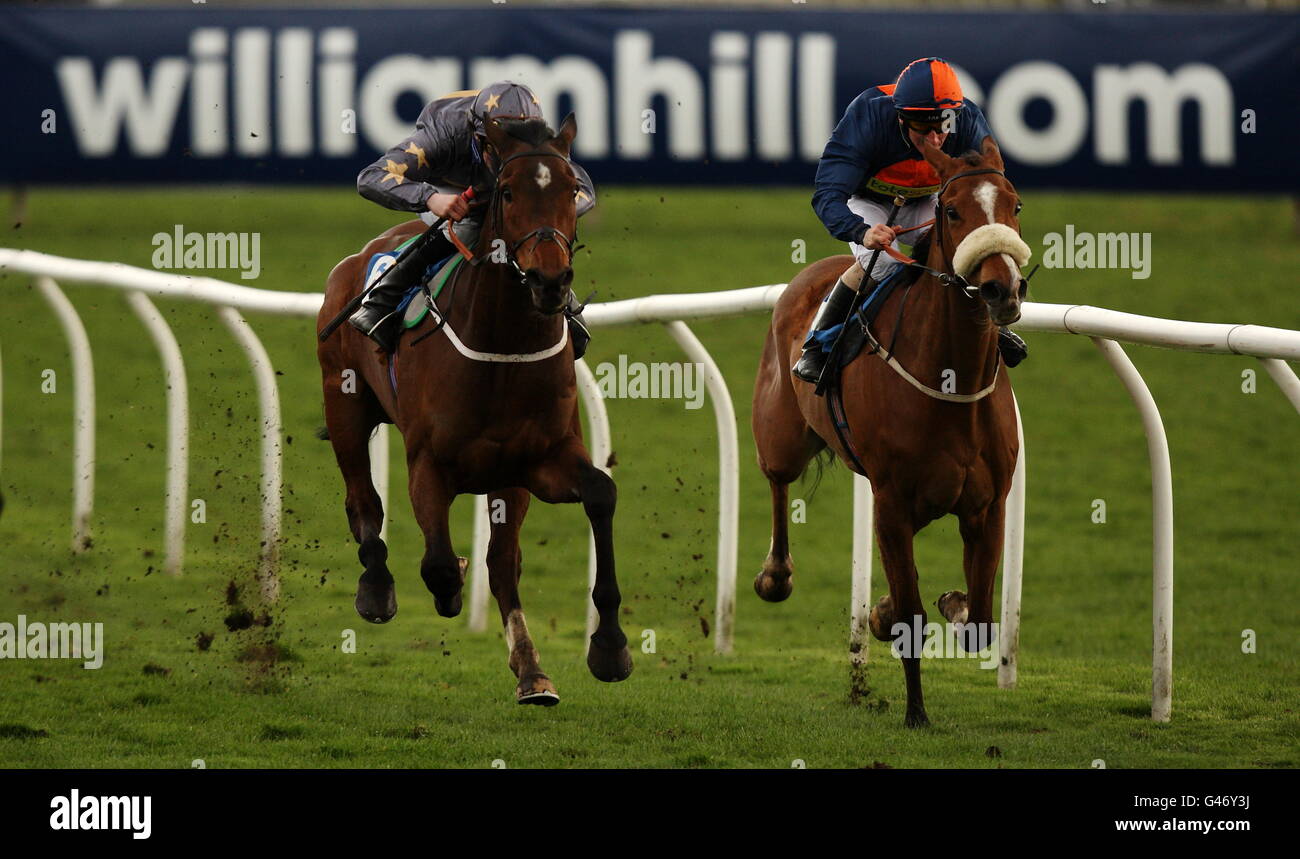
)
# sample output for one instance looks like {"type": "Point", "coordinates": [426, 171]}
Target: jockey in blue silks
{"type": "Point", "coordinates": [874, 155]}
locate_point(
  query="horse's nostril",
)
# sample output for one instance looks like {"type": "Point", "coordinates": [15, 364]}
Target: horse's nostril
{"type": "Point", "coordinates": [1024, 288]}
{"type": "Point", "coordinates": [991, 290]}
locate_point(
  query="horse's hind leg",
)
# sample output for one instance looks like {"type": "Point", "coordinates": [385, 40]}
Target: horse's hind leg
{"type": "Point", "coordinates": [902, 610]}
{"type": "Point", "coordinates": [505, 564]}
{"type": "Point", "coordinates": [981, 535]}
{"type": "Point", "coordinates": [776, 580]}
{"type": "Point", "coordinates": [785, 446]}
{"type": "Point", "coordinates": [443, 572]}
{"type": "Point", "coordinates": [570, 476]}
{"type": "Point", "coordinates": [350, 419]}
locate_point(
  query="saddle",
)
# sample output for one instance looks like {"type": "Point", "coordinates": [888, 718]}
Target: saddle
{"type": "Point", "coordinates": [431, 284]}
{"type": "Point", "coordinates": [419, 299]}
{"type": "Point", "coordinates": [867, 309]}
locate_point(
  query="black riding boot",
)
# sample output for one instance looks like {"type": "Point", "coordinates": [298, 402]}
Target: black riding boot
{"type": "Point", "coordinates": [578, 332]}
{"type": "Point", "coordinates": [377, 316]}
{"type": "Point", "coordinates": [1013, 349]}
{"type": "Point", "coordinates": [831, 313]}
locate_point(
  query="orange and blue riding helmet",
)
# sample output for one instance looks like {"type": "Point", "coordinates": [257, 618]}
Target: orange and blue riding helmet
{"type": "Point", "coordinates": [925, 89]}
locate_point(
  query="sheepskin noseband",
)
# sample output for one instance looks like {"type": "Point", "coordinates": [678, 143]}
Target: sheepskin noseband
{"type": "Point", "coordinates": [984, 242]}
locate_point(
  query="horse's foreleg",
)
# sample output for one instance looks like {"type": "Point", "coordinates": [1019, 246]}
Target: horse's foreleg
{"type": "Point", "coordinates": [570, 477]}
{"type": "Point", "coordinates": [505, 564]}
{"type": "Point", "coordinates": [981, 535]}
{"type": "Point", "coordinates": [901, 615]}
{"type": "Point", "coordinates": [350, 418]}
{"type": "Point", "coordinates": [442, 571]}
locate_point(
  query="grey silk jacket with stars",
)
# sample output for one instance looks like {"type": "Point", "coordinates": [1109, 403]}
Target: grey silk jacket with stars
{"type": "Point", "coordinates": [440, 157]}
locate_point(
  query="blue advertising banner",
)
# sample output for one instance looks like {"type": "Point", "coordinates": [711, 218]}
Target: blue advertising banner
{"type": "Point", "coordinates": [1097, 98]}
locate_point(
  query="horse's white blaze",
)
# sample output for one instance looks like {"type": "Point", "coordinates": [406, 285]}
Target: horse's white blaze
{"type": "Point", "coordinates": [543, 175]}
{"type": "Point", "coordinates": [986, 195]}
{"type": "Point", "coordinates": [1013, 268]}
{"type": "Point", "coordinates": [992, 241]}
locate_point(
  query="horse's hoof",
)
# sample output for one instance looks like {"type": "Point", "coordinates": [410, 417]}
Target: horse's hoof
{"type": "Point", "coordinates": [776, 580]}
{"type": "Point", "coordinates": [376, 603]}
{"type": "Point", "coordinates": [537, 689]}
{"type": "Point", "coordinates": [953, 605]}
{"type": "Point", "coordinates": [916, 720]}
{"type": "Point", "coordinates": [609, 665]}
{"type": "Point", "coordinates": [449, 607]}
{"type": "Point", "coordinates": [773, 588]}
{"type": "Point", "coordinates": [377, 608]}
{"type": "Point", "coordinates": [881, 619]}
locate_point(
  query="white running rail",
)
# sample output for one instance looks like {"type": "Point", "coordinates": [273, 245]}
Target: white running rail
{"type": "Point", "coordinates": [1273, 347]}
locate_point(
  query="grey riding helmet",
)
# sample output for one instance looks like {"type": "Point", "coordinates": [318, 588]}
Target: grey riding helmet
{"type": "Point", "coordinates": [505, 100]}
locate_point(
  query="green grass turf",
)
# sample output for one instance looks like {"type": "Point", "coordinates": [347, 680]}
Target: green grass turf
{"type": "Point", "coordinates": [422, 691]}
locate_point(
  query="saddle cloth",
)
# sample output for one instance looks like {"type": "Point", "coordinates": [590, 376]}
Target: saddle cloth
{"type": "Point", "coordinates": [413, 311]}
{"type": "Point", "coordinates": [863, 315]}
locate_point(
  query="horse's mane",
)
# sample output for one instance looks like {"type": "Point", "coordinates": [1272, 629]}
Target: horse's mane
{"type": "Point", "coordinates": [533, 130]}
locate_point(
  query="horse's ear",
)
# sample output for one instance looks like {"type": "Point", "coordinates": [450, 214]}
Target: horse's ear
{"type": "Point", "coordinates": [568, 131]}
{"type": "Point", "coordinates": [496, 134]}
{"type": "Point", "coordinates": [993, 155]}
{"type": "Point", "coordinates": [936, 157]}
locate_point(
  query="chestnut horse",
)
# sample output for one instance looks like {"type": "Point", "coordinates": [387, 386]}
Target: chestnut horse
{"type": "Point", "coordinates": [487, 403]}
{"type": "Point", "coordinates": [927, 452]}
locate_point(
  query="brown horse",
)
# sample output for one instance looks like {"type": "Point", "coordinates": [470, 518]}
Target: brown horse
{"type": "Point", "coordinates": [486, 404]}
{"type": "Point", "coordinates": [927, 452]}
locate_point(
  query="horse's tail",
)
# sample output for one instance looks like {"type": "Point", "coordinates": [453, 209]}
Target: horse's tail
{"type": "Point", "coordinates": [822, 460]}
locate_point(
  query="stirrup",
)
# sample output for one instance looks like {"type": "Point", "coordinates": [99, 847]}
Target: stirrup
{"type": "Point", "coordinates": [1012, 347]}
{"type": "Point", "coordinates": [578, 331]}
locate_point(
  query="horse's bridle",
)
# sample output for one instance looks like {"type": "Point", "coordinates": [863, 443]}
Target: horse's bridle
{"type": "Point", "coordinates": [945, 277]}
{"type": "Point", "coordinates": [541, 234]}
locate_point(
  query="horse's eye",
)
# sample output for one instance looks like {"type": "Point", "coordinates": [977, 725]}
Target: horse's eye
{"type": "Point", "coordinates": [505, 193]}
{"type": "Point", "coordinates": [1019, 206]}
{"type": "Point", "coordinates": [952, 214]}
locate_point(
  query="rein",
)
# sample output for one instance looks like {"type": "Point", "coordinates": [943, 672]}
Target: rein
{"type": "Point", "coordinates": [944, 277]}
{"type": "Point", "coordinates": [541, 234]}
{"type": "Point", "coordinates": [441, 319]}
{"type": "Point", "coordinates": [835, 400]}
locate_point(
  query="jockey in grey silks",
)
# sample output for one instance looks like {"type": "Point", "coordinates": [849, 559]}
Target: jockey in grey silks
{"type": "Point", "coordinates": [426, 173]}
